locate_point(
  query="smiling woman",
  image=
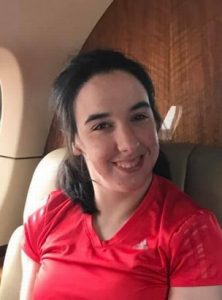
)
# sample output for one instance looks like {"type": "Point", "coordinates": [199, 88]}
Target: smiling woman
{"type": "Point", "coordinates": [114, 229]}
{"type": "Point", "coordinates": [116, 134]}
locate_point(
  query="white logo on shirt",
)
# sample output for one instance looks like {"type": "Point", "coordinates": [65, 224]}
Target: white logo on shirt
{"type": "Point", "coordinates": [142, 245]}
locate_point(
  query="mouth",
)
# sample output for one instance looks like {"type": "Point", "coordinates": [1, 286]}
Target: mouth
{"type": "Point", "coordinates": [130, 164]}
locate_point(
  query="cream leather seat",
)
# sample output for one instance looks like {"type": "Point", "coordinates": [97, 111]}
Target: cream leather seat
{"type": "Point", "coordinates": [42, 183]}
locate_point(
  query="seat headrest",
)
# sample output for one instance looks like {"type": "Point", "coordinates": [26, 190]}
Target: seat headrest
{"type": "Point", "coordinates": [43, 181]}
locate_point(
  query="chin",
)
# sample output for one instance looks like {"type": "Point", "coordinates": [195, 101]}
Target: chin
{"type": "Point", "coordinates": [131, 187]}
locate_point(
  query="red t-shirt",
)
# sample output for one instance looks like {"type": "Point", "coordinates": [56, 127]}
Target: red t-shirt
{"type": "Point", "coordinates": [168, 241]}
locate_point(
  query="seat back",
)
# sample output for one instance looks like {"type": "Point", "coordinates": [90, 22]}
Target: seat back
{"type": "Point", "coordinates": [197, 170]}
{"type": "Point", "coordinates": [42, 183]}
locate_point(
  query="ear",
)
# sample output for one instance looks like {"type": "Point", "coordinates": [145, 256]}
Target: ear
{"type": "Point", "coordinates": [76, 148]}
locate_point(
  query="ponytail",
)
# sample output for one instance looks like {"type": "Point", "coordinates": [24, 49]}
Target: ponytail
{"type": "Point", "coordinates": [73, 178]}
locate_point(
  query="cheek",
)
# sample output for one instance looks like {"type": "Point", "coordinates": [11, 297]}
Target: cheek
{"type": "Point", "coordinates": [152, 144]}
{"type": "Point", "coordinates": [150, 136]}
{"type": "Point", "coordinates": [98, 152]}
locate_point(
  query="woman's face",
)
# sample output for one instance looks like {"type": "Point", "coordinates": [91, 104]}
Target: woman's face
{"type": "Point", "coordinates": [116, 132]}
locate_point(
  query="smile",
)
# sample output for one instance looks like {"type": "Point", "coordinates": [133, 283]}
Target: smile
{"type": "Point", "coordinates": [129, 164]}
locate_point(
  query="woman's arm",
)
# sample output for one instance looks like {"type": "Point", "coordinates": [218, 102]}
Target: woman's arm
{"type": "Point", "coordinates": [194, 293]}
{"type": "Point", "coordinates": [29, 271]}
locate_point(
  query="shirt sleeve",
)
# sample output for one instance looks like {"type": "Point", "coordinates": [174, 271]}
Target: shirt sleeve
{"type": "Point", "coordinates": [196, 252]}
{"type": "Point", "coordinates": [33, 234]}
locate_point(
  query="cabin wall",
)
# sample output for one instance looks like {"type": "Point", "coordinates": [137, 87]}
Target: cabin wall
{"type": "Point", "coordinates": [196, 69]}
{"type": "Point", "coordinates": [39, 36]}
{"type": "Point", "coordinates": [180, 43]}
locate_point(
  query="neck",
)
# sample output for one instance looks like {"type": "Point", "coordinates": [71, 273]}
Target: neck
{"type": "Point", "coordinates": [115, 208]}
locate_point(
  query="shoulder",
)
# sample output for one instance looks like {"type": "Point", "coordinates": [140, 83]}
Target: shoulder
{"type": "Point", "coordinates": [176, 205]}
{"type": "Point", "coordinates": [58, 209]}
{"type": "Point", "coordinates": [191, 247]}
{"type": "Point", "coordinates": [178, 210]}
{"type": "Point", "coordinates": [188, 236]}
{"type": "Point", "coordinates": [45, 220]}
{"type": "Point", "coordinates": [58, 200]}
{"type": "Point", "coordinates": [57, 205]}
{"type": "Point", "coordinates": [170, 193]}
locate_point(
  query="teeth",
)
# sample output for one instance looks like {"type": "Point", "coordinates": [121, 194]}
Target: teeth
{"type": "Point", "coordinates": [128, 164]}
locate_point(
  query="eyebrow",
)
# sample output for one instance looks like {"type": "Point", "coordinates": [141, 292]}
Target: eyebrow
{"type": "Point", "coordinates": [140, 104]}
{"type": "Point", "coordinates": [97, 116]}
{"type": "Point", "coordinates": [94, 117]}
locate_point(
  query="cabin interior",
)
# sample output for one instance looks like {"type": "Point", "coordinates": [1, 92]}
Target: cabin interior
{"type": "Point", "coordinates": [179, 42]}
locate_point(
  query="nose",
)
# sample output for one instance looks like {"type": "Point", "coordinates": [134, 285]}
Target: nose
{"type": "Point", "coordinates": [127, 140]}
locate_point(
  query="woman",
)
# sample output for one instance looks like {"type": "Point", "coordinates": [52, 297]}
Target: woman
{"type": "Point", "coordinates": [113, 229]}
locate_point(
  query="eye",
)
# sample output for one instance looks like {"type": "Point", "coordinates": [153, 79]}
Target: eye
{"type": "Point", "coordinates": [140, 117]}
{"type": "Point", "coordinates": [102, 126]}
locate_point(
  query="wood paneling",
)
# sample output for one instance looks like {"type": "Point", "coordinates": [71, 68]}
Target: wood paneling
{"type": "Point", "coordinates": [55, 138]}
{"type": "Point", "coordinates": [180, 43]}
{"type": "Point", "coordinates": [141, 30]}
{"type": "Point", "coordinates": [195, 69]}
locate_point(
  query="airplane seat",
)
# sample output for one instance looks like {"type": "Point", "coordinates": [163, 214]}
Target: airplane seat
{"type": "Point", "coordinates": [196, 169]}
{"type": "Point", "coordinates": [42, 183]}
